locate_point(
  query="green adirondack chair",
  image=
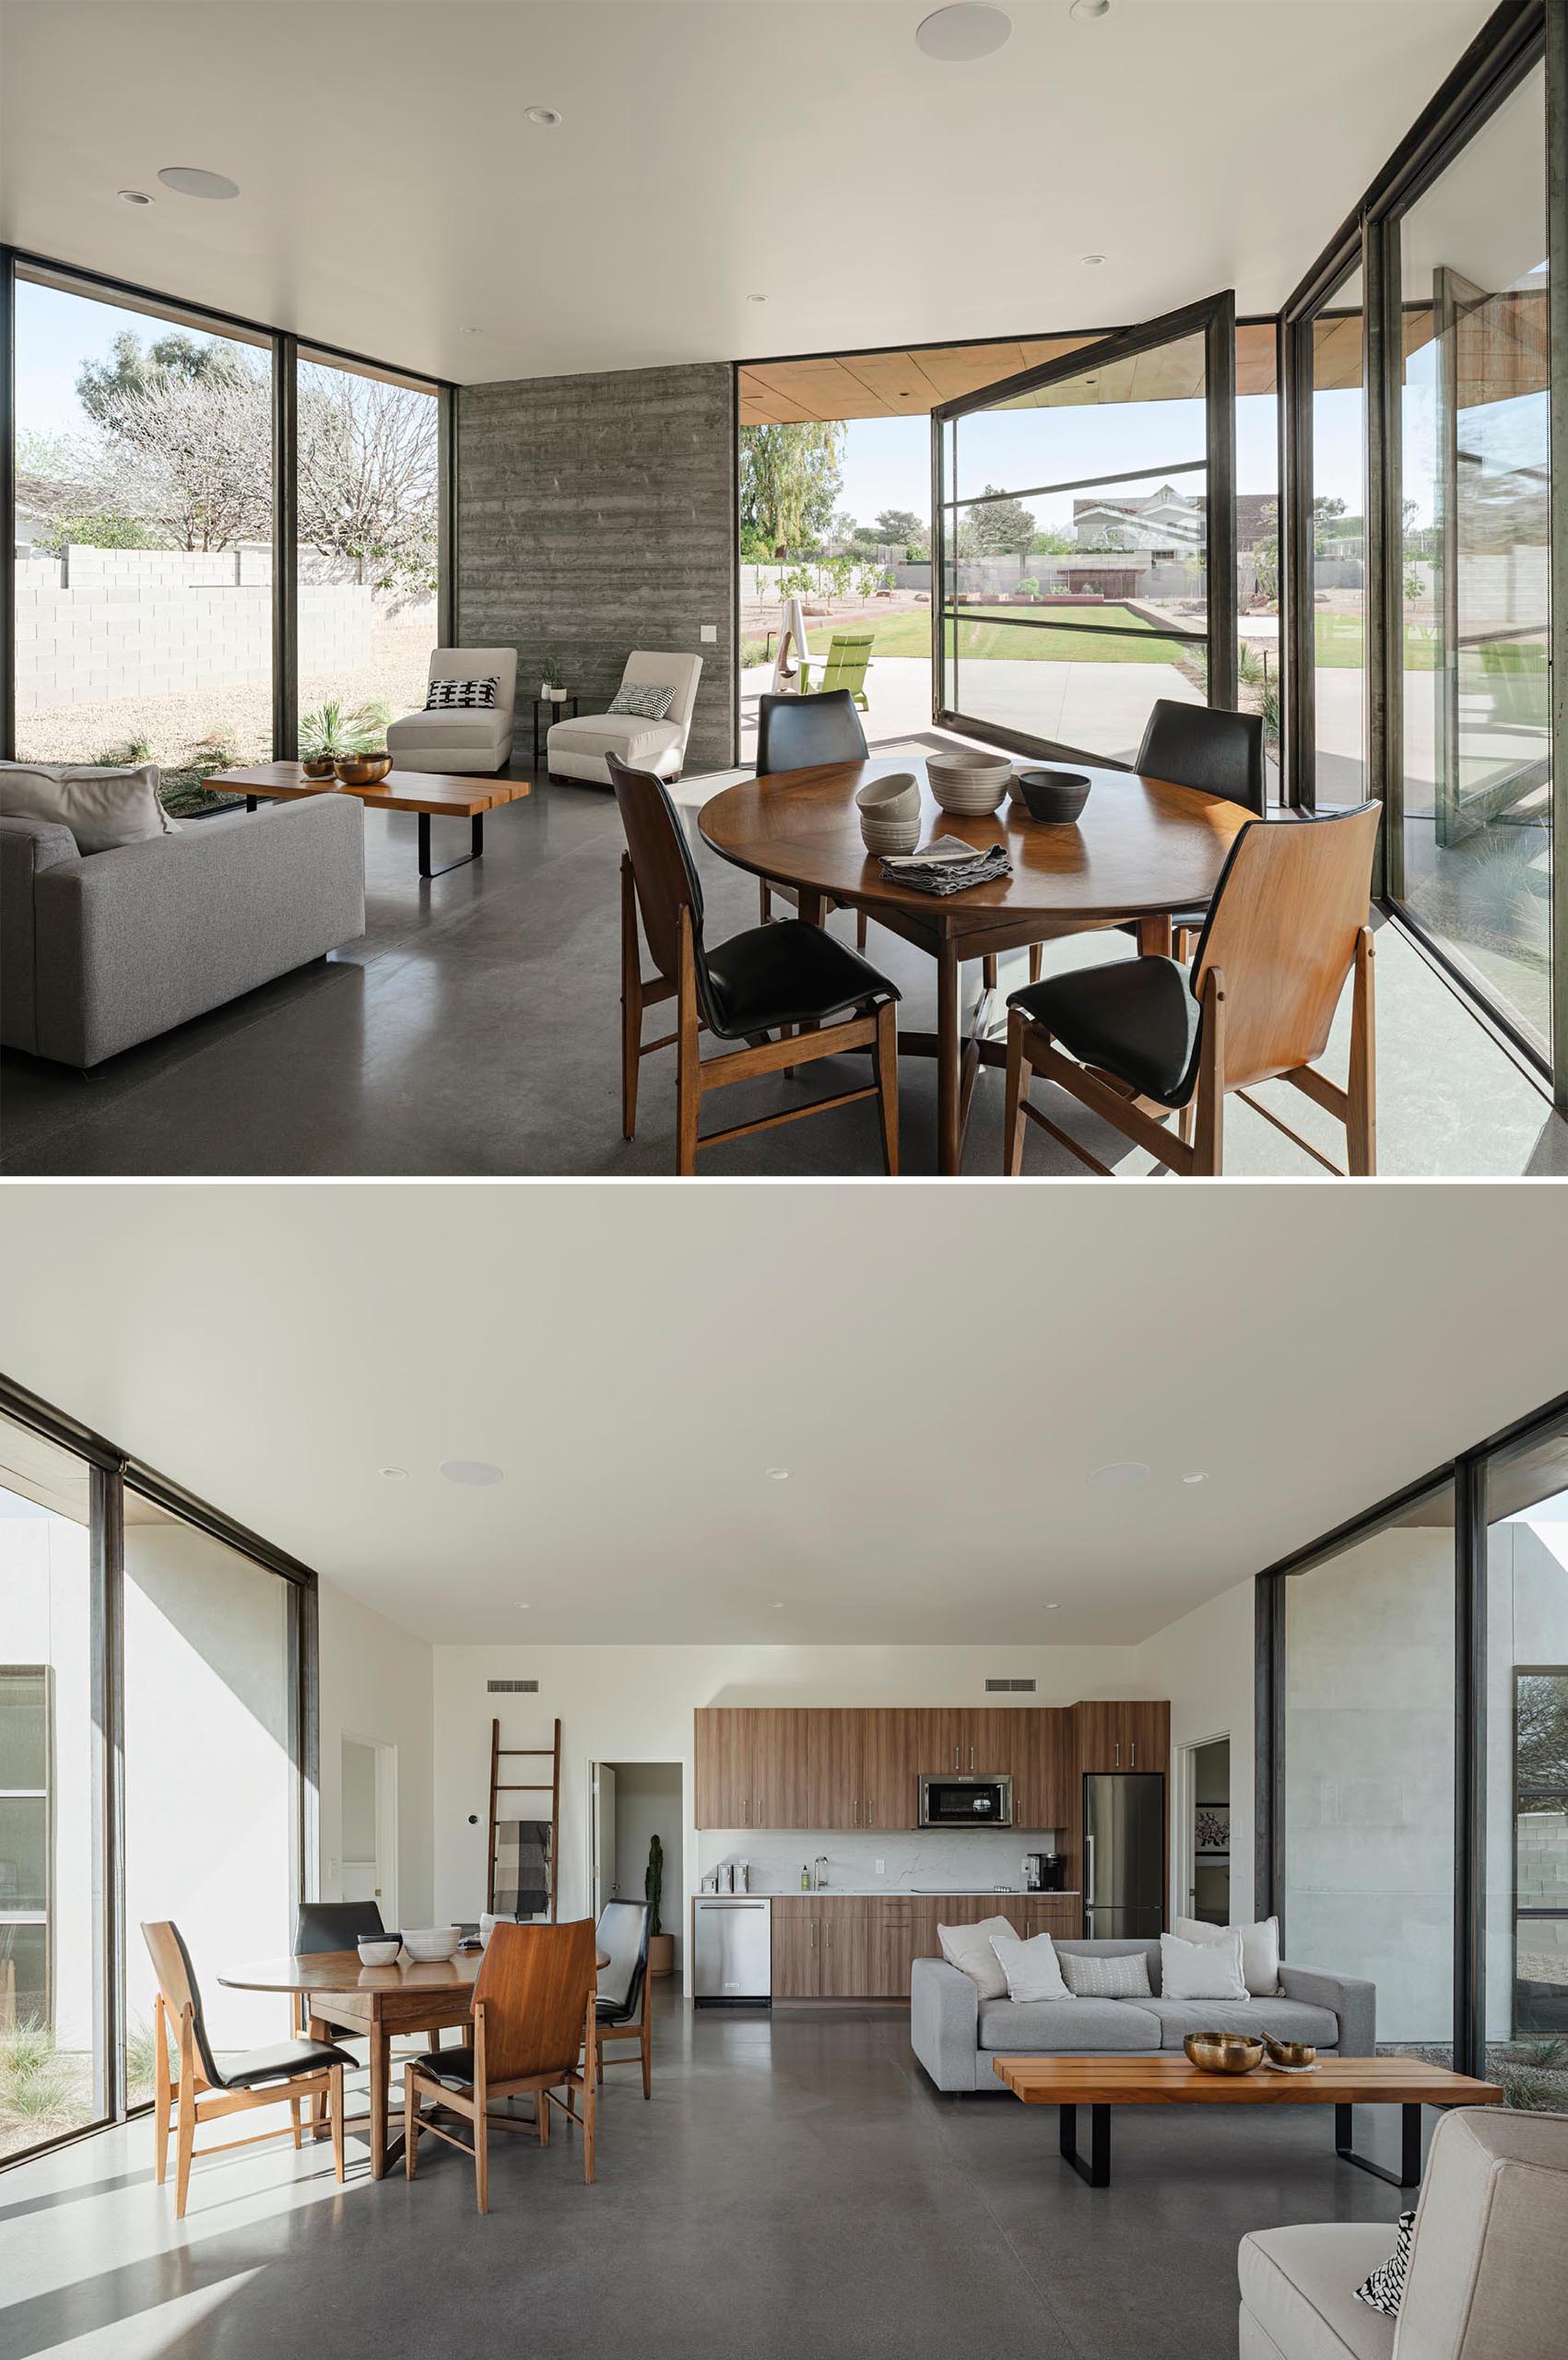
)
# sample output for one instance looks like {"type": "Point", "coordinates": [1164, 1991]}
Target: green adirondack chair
{"type": "Point", "coordinates": [845, 666]}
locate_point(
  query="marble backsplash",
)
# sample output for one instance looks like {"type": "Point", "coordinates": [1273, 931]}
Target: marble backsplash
{"type": "Point", "coordinates": [885, 1861]}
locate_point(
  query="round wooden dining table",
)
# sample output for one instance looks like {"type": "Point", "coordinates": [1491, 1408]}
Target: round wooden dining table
{"type": "Point", "coordinates": [1141, 849]}
{"type": "Point", "coordinates": [343, 1994]}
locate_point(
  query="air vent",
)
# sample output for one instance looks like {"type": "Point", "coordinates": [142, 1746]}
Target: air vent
{"type": "Point", "coordinates": [528, 1687]}
{"type": "Point", "coordinates": [1010, 1687]}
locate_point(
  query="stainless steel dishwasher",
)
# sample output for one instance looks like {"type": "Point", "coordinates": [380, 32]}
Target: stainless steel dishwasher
{"type": "Point", "coordinates": [732, 1963]}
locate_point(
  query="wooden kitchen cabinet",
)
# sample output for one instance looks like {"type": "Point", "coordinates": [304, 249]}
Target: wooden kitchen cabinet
{"type": "Point", "coordinates": [846, 1935]}
{"type": "Point", "coordinates": [723, 1758]}
{"type": "Point", "coordinates": [797, 1953]}
{"type": "Point", "coordinates": [1135, 1736]}
{"type": "Point", "coordinates": [887, 1787]}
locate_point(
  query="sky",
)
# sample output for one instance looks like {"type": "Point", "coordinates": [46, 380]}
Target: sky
{"type": "Point", "coordinates": [56, 333]}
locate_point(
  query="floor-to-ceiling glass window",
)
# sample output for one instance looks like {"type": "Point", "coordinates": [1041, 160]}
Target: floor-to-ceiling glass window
{"type": "Point", "coordinates": [210, 1792]}
{"type": "Point", "coordinates": [1257, 532]}
{"type": "Point", "coordinates": [1526, 1771]}
{"type": "Point", "coordinates": [367, 549]}
{"type": "Point", "coordinates": [1368, 1791]}
{"type": "Point", "coordinates": [144, 539]}
{"type": "Point", "coordinates": [51, 2067]}
{"type": "Point", "coordinates": [1333, 571]}
{"type": "Point", "coordinates": [1476, 564]}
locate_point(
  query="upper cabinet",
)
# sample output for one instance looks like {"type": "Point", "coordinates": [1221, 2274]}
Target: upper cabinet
{"type": "Point", "coordinates": [815, 1768]}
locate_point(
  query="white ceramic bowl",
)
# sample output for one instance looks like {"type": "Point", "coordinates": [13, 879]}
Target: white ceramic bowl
{"type": "Point", "coordinates": [431, 1943]}
{"type": "Point", "coordinates": [889, 813]}
{"type": "Point", "coordinates": [379, 1949]}
{"type": "Point", "coordinates": [487, 1925]}
{"type": "Point", "coordinates": [969, 785]}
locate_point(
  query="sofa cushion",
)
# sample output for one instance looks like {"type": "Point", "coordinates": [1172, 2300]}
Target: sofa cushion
{"type": "Point", "coordinates": [626, 735]}
{"type": "Point", "coordinates": [1031, 1967]}
{"type": "Point", "coordinates": [104, 804]}
{"type": "Point", "coordinates": [1280, 2019]}
{"type": "Point", "coordinates": [1202, 1970]}
{"type": "Point", "coordinates": [1094, 1975]}
{"type": "Point", "coordinates": [1067, 2027]}
{"type": "Point", "coordinates": [483, 727]}
{"type": "Point", "coordinates": [969, 1949]}
{"type": "Point", "coordinates": [1260, 1948]}
{"type": "Point", "coordinates": [652, 699]}
{"type": "Point", "coordinates": [1300, 2284]}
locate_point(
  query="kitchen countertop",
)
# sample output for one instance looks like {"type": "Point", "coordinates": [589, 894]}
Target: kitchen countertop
{"type": "Point", "coordinates": [913, 1892]}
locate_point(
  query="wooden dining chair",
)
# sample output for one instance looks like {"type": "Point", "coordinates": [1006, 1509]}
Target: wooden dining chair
{"type": "Point", "coordinates": [765, 981]}
{"type": "Point", "coordinates": [534, 2033]}
{"type": "Point", "coordinates": [296, 2073]}
{"type": "Point", "coordinates": [1145, 1039]}
{"type": "Point", "coordinates": [796, 734]}
{"type": "Point", "coordinates": [1218, 752]}
{"type": "Point", "coordinates": [625, 1988]}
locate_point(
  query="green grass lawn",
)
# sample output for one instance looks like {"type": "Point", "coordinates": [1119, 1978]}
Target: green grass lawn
{"type": "Point", "coordinates": [987, 634]}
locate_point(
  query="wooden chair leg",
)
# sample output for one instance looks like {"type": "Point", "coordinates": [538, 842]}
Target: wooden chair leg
{"type": "Point", "coordinates": [860, 929]}
{"type": "Point", "coordinates": [1036, 961]}
{"type": "Point", "coordinates": [631, 1003]}
{"type": "Point", "coordinates": [410, 2122]}
{"type": "Point", "coordinates": [336, 2102]}
{"type": "Point", "coordinates": [1361, 1120]}
{"type": "Point", "coordinates": [1209, 1149]}
{"type": "Point", "coordinates": [764, 901]}
{"type": "Point", "coordinates": [988, 971]}
{"type": "Point", "coordinates": [160, 2091]}
{"type": "Point", "coordinates": [591, 2081]}
{"type": "Point", "coordinates": [319, 2030]}
{"type": "Point", "coordinates": [542, 2108]}
{"type": "Point", "coordinates": [688, 1078]}
{"type": "Point", "coordinates": [647, 2053]}
{"type": "Point", "coordinates": [185, 2131]}
{"type": "Point", "coordinates": [295, 2108]}
{"type": "Point", "coordinates": [887, 1064]}
{"type": "Point", "coordinates": [481, 2156]}
{"type": "Point", "coordinates": [1020, 1072]}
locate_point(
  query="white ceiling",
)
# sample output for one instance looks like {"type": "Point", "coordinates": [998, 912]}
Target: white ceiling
{"type": "Point", "coordinates": [940, 1370]}
{"type": "Point", "coordinates": [392, 192]}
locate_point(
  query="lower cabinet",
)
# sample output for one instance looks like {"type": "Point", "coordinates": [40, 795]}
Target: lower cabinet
{"type": "Point", "coordinates": [861, 1946]}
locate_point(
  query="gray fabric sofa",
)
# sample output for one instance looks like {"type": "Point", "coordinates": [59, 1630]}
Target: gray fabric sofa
{"type": "Point", "coordinates": [101, 950]}
{"type": "Point", "coordinates": [1488, 2275]}
{"type": "Point", "coordinates": [957, 2035]}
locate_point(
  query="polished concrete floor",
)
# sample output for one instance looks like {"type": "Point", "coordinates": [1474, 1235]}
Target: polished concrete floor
{"type": "Point", "coordinates": [795, 2186]}
{"type": "Point", "coordinates": [474, 1030]}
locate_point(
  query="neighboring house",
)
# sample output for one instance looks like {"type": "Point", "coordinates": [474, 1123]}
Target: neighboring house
{"type": "Point", "coordinates": [1169, 524]}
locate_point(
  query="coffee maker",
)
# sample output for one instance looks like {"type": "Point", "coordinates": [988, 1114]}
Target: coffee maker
{"type": "Point", "coordinates": [1045, 1871]}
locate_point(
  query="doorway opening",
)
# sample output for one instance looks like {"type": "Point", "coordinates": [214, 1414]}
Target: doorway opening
{"type": "Point", "coordinates": [629, 1804]}
{"type": "Point", "coordinates": [368, 1824]}
{"type": "Point", "coordinates": [1204, 1820]}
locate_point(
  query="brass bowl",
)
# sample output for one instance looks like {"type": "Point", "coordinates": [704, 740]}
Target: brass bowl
{"type": "Point", "coordinates": [1223, 2052]}
{"type": "Point", "coordinates": [361, 770]}
{"type": "Point", "coordinates": [1289, 2052]}
{"type": "Point", "coordinates": [317, 765]}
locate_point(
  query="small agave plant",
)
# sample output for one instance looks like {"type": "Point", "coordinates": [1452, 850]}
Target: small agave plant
{"type": "Point", "coordinates": [333, 731]}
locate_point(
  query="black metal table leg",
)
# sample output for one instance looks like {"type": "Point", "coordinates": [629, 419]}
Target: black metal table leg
{"type": "Point", "coordinates": [1097, 2170]}
{"type": "Point", "coordinates": [1409, 2172]}
{"type": "Point", "coordinates": [249, 802]}
{"type": "Point", "coordinates": [475, 845]}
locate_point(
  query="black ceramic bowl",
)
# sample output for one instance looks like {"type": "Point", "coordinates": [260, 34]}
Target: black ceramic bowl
{"type": "Point", "coordinates": [1054, 795]}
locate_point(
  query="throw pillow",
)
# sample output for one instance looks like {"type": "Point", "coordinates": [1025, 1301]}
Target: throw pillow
{"type": "Point", "coordinates": [1123, 1975]}
{"type": "Point", "coordinates": [1385, 2289]}
{"type": "Point", "coordinates": [1260, 1950]}
{"type": "Point", "coordinates": [636, 696]}
{"type": "Point", "coordinates": [969, 1949]}
{"type": "Point", "coordinates": [1202, 1970]}
{"type": "Point", "coordinates": [1031, 1967]}
{"type": "Point", "coordinates": [456, 696]}
{"type": "Point", "coordinates": [102, 805]}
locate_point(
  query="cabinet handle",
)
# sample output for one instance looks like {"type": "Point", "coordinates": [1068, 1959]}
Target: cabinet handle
{"type": "Point", "coordinates": [972, 1758]}
{"type": "Point", "coordinates": [1118, 1754]}
{"type": "Point", "coordinates": [1135, 1754]}
{"type": "Point", "coordinates": [811, 1933]}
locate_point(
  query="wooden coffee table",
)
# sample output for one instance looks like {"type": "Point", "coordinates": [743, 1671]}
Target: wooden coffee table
{"type": "Point", "coordinates": [1100, 2082]}
{"type": "Point", "coordinates": [434, 794]}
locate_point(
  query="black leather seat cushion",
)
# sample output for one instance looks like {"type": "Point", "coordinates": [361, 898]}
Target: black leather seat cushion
{"type": "Point", "coordinates": [276, 2064]}
{"type": "Point", "coordinates": [787, 973]}
{"type": "Point", "coordinates": [453, 2065]}
{"type": "Point", "coordinates": [1137, 1018]}
{"type": "Point", "coordinates": [613, 2011]}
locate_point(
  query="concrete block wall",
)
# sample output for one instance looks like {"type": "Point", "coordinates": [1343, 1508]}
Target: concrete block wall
{"type": "Point", "coordinates": [596, 515]}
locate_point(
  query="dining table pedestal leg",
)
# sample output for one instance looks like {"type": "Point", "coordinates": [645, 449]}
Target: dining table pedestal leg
{"type": "Point", "coordinates": [1154, 936]}
{"type": "Point", "coordinates": [950, 1127]}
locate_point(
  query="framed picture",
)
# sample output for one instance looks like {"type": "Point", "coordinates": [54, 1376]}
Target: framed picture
{"type": "Point", "coordinates": [1212, 1830]}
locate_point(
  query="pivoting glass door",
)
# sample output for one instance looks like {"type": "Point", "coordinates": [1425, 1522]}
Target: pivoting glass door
{"type": "Point", "coordinates": [1086, 540]}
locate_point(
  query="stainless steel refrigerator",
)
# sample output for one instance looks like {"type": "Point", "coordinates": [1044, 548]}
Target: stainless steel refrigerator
{"type": "Point", "coordinates": [1124, 1854]}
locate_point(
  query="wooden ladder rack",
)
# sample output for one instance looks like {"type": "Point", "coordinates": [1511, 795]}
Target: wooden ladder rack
{"type": "Point", "coordinates": [500, 1785]}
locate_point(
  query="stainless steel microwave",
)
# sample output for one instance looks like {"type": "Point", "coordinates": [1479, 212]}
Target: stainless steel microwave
{"type": "Point", "coordinates": [951, 1801]}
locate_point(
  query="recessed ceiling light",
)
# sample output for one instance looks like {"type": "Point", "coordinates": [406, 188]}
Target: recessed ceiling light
{"type": "Point", "coordinates": [1092, 262]}
{"type": "Point", "coordinates": [189, 180]}
{"type": "Point", "coordinates": [778, 1606]}
{"type": "Point", "coordinates": [756, 299]}
{"type": "Point", "coordinates": [1119, 1475]}
{"type": "Point", "coordinates": [395, 1474]}
{"type": "Point", "coordinates": [133, 196]}
{"type": "Point", "coordinates": [1054, 1606]}
{"type": "Point", "coordinates": [1088, 12]}
{"type": "Point", "coordinates": [522, 1605]}
{"type": "Point", "coordinates": [467, 331]}
{"type": "Point", "coordinates": [471, 1470]}
{"type": "Point", "coordinates": [547, 117]}
{"type": "Point", "coordinates": [779, 1474]}
{"type": "Point", "coordinates": [959, 34]}
{"type": "Point", "coordinates": [1195, 1479]}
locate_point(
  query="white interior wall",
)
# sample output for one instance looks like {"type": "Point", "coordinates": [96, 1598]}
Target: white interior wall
{"type": "Point", "coordinates": [376, 1684]}
{"type": "Point", "coordinates": [1204, 1664]}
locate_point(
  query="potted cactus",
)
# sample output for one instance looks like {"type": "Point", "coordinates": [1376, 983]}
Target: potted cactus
{"type": "Point", "coordinates": [661, 1946]}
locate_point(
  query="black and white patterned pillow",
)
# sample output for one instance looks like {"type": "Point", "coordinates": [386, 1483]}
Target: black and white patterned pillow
{"type": "Point", "coordinates": [1385, 2290]}
{"type": "Point", "coordinates": [1123, 1975]}
{"type": "Point", "coordinates": [453, 696]}
{"type": "Point", "coordinates": [650, 702]}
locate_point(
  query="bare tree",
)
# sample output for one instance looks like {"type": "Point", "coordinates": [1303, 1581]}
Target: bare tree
{"type": "Point", "coordinates": [193, 455]}
{"type": "Point", "coordinates": [367, 478]}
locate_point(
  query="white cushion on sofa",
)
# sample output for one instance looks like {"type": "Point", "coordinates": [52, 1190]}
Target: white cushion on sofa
{"type": "Point", "coordinates": [1031, 1966]}
{"type": "Point", "coordinates": [103, 805]}
{"type": "Point", "coordinates": [1202, 1970]}
{"type": "Point", "coordinates": [629, 736]}
{"type": "Point", "coordinates": [1260, 1949]}
{"type": "Point", "coordinates": [969, 1949]}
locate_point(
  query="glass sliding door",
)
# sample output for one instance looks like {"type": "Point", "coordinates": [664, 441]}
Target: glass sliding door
{"type": "Point", "coordinates": [367, 546]}
{"type": "Point", "coordinates": [1088, 541]}
{"type": "Point", "coordinates": [1526, 1766]}
{"type": "Point", "coordinates": [1330, 509]}
{"type": "Point", "coordinates": [53, 2068]}
{"type": "Point", "coordinates": [1476, 799]}
{"type": "Point", "coordinates": [143, 576]}
{"type": "Point", "coordinates": [1368, 1791]}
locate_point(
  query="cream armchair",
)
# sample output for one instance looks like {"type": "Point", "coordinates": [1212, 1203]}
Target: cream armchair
{"type": "Point", "coordinates": [577, 748]}
{"type": "Point", "coordinates": [461, 743]}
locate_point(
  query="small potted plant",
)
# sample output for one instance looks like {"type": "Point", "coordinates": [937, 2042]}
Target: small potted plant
{"type": "Point", "coordinates": [553, 684]}
{"type": "Point", "coordinates": [333, 737]}
{"type": "Point", "coordinates": [661, 1946]}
